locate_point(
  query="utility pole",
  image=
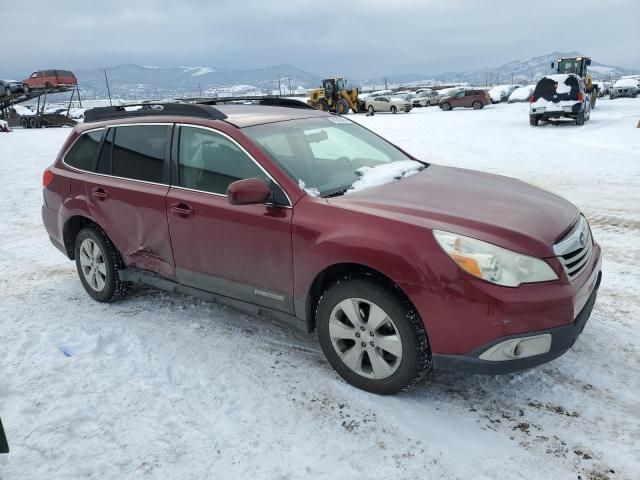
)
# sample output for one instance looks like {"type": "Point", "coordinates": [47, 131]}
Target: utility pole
{"type": "Point", "coordinates": [279, 87]}
{"type": "Point", "coordinates": [108, 90]}
{"type": "Point", "coordinates": [290, 85]}
{"type": "Point", "coordinates": [511, 78]}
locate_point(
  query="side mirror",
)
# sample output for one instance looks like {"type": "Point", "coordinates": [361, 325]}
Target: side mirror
{"type": "Point", "coordinates": [552, 64]}
{"type": "Point", "coordinates": [248, 192]}
{"type": "Point", "coordinates": [588, 61]}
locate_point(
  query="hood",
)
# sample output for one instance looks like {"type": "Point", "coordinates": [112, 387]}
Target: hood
{"type": "Point", "coordinates": [500, 210]}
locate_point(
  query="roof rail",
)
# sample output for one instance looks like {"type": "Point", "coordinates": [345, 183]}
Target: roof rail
{"type": "Point", "coordinates": [99, 114]}
{"type": "Point", "coordinates": [260, 100]}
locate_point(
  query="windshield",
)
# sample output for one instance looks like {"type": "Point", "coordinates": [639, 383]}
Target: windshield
{"type": "Point", "coordinates": [324, 154]}
{"type": "Point", "coordinates": [569, 66]}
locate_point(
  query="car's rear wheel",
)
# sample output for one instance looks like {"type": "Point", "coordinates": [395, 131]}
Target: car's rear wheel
{"type": "Point", "coordinates": [533, 120]}
{"type": "Point", "coordinates": [580, 119]}
{"type": "Point", "coordinates": [98, 262]}
{"type": "Point", "coordinates": [476, 105]}
{"type": "Point", "coordinates": [371, 110]}
{"type": "Point", "coordinates": [394, 110]}
{"type": "Point", "coordinates": [446, 106]}
{"type": "Point", "coordinates": [372, 336]}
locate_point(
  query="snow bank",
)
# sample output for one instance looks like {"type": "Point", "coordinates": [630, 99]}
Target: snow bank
{"type": "Point", "coordinates": [382, 174]}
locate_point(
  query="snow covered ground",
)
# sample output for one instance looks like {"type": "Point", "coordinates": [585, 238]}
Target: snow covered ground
{"type": "Point", "coordinates": [165, 386]}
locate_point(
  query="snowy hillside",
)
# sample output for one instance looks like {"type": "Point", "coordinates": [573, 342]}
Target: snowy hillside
{"type": "Point", "coordinates": [149, 82]}
{"type": "Point", "coordinates": [136, 82]}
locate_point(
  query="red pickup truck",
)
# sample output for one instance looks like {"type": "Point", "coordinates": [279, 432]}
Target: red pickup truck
{"type": "Point", "coordinates": [50, 79]}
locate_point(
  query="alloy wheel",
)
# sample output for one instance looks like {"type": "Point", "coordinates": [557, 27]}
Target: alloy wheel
{"type": "Point", "coordinates": [365, 338]}
{"type": "Point", "coordinates": [93, 265]}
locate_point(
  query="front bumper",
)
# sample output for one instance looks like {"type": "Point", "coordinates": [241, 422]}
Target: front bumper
{"type": "Point", "coordinates": [562, 339]}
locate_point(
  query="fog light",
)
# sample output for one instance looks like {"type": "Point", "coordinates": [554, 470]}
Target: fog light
{"type": "Point", "coordinates": [518, 348]}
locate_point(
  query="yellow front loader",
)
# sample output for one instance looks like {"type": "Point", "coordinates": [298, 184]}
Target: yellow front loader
{"type": "Point", "coordinates": [334, 97]}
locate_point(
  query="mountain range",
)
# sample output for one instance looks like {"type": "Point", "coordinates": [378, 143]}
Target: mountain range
{"type": "Point", "coordinates": [138, 82]}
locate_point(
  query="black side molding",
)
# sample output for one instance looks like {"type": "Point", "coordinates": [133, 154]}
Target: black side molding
{"type": "Point", "coordinates": [145, 277]}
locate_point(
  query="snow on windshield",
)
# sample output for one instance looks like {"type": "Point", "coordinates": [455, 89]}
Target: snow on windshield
{"type": "Point", "coordinates": [383, 174]}
{"type": "Point", "coordinates": [314, 192]}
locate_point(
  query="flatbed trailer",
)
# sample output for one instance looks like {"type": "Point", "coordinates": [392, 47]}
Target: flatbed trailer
{"type": "Point", "coordinates": [39, 119]}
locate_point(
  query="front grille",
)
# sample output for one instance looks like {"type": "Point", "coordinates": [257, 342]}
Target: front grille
{"type": "Point", "coordinates": [575, 249]}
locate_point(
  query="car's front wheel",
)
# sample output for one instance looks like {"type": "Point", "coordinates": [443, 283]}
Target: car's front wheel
{"type": "Point", "coordinates": [98, 262]}
{"type": "Point", "coordinates": [371, 110]}
{"type": "Point", "coordinates": [477, 105]}
{"type": "Point", "coordinates": [394, 109]}
{"type": "Point", "coordinates": [372, 336]}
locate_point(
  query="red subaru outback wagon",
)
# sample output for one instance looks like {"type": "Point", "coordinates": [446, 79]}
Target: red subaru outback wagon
{"type": "Point", "coordinates": [399, 265]}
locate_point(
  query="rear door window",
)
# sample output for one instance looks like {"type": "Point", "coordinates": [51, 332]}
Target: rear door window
{"type": "Point", "coordinates": [139, 152]}
{"type": "Point", "coordinates": [83, 153]}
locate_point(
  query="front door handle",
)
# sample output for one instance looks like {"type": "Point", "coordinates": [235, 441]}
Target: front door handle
{"type": "Point", "coordinates": [99, 193]}
{"type": "Point", "coordinates": [182, 210]}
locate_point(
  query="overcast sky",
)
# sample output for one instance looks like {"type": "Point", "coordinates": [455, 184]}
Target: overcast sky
{"type": "Point", "coordinates": [355, 38]}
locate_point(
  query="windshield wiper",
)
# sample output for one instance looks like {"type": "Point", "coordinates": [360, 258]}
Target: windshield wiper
{"type": "Point", "coordinates": [336, 192]}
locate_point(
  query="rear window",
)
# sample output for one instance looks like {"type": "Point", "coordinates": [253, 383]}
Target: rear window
{"type": "Point", "coordinates": [557, 88]}
{"type": "Point", "coordinates": [139, 152]}
{"type": "Point", "coordinates": [83, 153]}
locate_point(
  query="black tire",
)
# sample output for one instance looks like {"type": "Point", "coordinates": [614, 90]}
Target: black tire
{"type": "Point", "coordinates": [446, 106]}
{"type": "Point", "coordinates": [33, 122]}
{"type": "Point", "coordinates": [415, 361]}
{"type": "Point", "coordinates": [24, 123]}
{"type": "Point", "coordinates": [393, 109]}
{"type": "Point", "coordinates": [477, 105]}
{"type": "Point", "coordinates": [533, 120]}
{"type": "Point", "coordinates": [342, 107]}
{"type": "Point", "coordinates": [580, 119]}
{"type": "Point", "coordinates": [322, 105]}
{"type": "Point", "coordinates": [371, 110]}
{"type": "Point", "coordinates": [114, 288]}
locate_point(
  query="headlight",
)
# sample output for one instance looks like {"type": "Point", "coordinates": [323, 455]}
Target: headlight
{"type": "Point", "coordinates": [492, 263]}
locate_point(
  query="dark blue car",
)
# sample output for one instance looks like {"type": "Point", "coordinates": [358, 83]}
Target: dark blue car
{"type": "Point", "coordinates": [10, 87]}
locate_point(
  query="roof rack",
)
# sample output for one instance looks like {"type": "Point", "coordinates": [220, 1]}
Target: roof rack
{"type": "Point", "coordinates": [259, 100]}
{"type": "Point", "coordinates": [153, 109]}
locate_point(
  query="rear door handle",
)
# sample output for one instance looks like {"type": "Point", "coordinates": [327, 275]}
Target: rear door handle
{"type": "Point", "coordinates": [182, 210]}
{"type": "Point", "coordinates": [99, 193]}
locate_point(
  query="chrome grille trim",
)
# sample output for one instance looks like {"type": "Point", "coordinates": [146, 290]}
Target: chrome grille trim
{"type": "Point", "coordinates": [575, 250]}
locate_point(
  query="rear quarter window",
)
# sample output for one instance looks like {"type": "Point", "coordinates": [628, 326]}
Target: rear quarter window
{"type": "Point", "coordinates": [83, 153]}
